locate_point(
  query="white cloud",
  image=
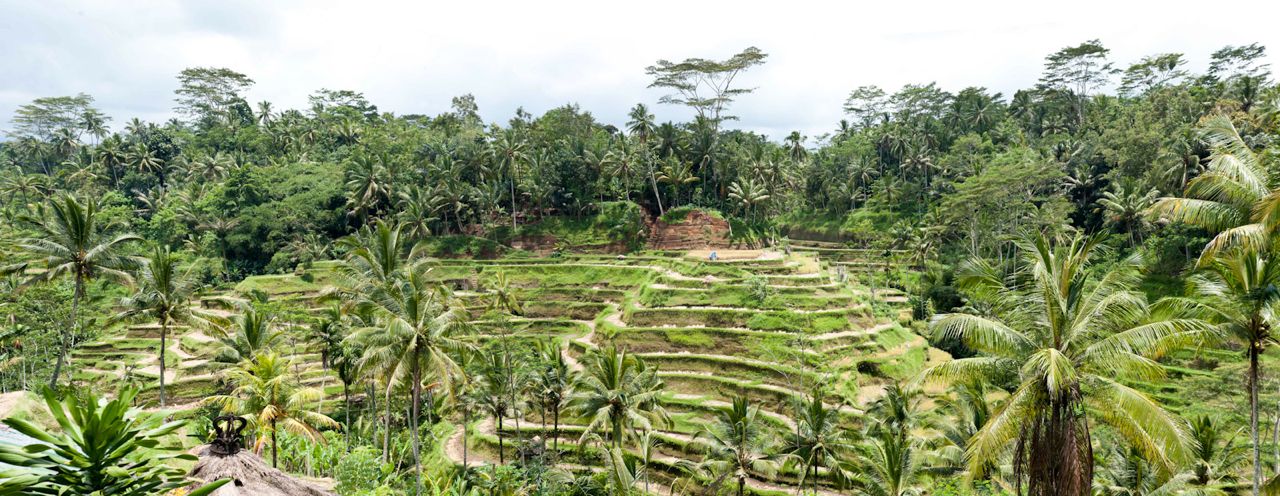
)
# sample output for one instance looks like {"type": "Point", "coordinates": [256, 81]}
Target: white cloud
{"type": "Point", "coordinates": [411, 57]}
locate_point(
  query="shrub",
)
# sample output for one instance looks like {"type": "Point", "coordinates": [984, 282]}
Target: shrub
{"type": "Point", "coordinates": [359, 470]}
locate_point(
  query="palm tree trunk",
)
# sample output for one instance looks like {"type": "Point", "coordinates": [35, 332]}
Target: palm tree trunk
{"type": "Point", "coordinates": [742, 486]}
{"type": "Point", "coordinates": [346, 404]}
{"type": "Point", "coordinates": [413, 428]}
{"type": "Point", "coordinates": [386, 434]}
{"type": "Point", "coordinates": [1253, 416]}
{"type": "Point", "coordinates": [275, 447]}
{"type": "Point", "coordinates": [656, 196]}
{"type": "Point", "coordinates": [502, 454]}
{"type": "Point", "coordinates": [466, 421]}
{"type": "Point", "coordinates": [62, 350]}
{"type": "Point", "coordinates": [555, 431]}
{"type": "Point", "coordinates": [164, 332]}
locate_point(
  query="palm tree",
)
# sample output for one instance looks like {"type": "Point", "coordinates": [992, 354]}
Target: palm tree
{"type": "Point", "coordinates": [366, 185]}
{"type": "Point", "coordinates": [618, 394]}
{"type": "Point", "coordinates": [749, 195]}
{"type": "Point", "coordinates": [328, 332]}
{"type": "Point", "coordinates": [887, 461]}
{"type": "Point", "coordinates": [250, 333]}
{"type": "Point", "coordinates": [164, 294]}
{"type": "Point", "coordinates": [494, 394]}
{"type": "Point", "coordinates": [552, 386]}
{"type": "Point", "coordinates": [72, 241]}
{"type": "Point", "coordinates": [509, 152]}
{"type": "Point", "coordinates": [265, 390]}
{"type": "Point", "coordinates": [417, 336]}
{"type": "Point", "coordinates": [1067, 333]}
{"type": "Point", "coordinates": [677, 173]}
{"type": "Point", "coordinates": [346, 363]}
{"type": "Point", "coordinates": [1124, 206]}
{"type": "Point", "coordinates": [1238, 292]}
{"type": "Point", "coordinates": [145, 160]}
{"type": "Point", "coordinates": [1215, 453]}
{"type": "Point", "coordinates": [738, 444]}
{"type": "Point", "coordinates": [819, 441]}
{"type": "Point", "coordinates": [1233, 198]}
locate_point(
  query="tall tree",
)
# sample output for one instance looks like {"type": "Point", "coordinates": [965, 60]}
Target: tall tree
{"type": "Point", "coordinates": [71, 240]}
{"type": "Point", "coordinates": [1068, 333]}
{"type": "Point", "coordinates": [705, 85]}
{"type": "Point", "coordinates": [618, 395]}
{"type": "Point", "coordinates": [164, 294]}
{"type": "Point", "coordinates": [738, 444]}
{"type": "Point", "coordinates": [1078, 70]}
{"type": "Point", "coordinates": [416, 337]}
{"type": "Point", "coordinates": [206, 93]}
{"type": "Point", "coordinates": [1238, 291]}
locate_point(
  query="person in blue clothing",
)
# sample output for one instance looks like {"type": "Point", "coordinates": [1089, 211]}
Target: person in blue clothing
{"type": "Point", "coordinates": [713, 256]}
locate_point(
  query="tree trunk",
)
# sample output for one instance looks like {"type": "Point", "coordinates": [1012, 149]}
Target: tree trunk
{"type": "Point", "coordinates": [1253, 416]}
{"type": "Point", "coordinates": [742, 486]}
{"type": "Point", "coordinates": [502, 455]}
{"type": "Point", "coordinates": [656, 196]}
{"type": "Point", "coordinates": [275, 447]}
{"type": "Point", "coordinates": [62, 349]}
{"type": "Point", "coordinates": [346, 404]}
{"type": "Point", "coordinates": [466, 420]}
{"type": "Point", "coordinates": [413, 428]}
{"type": "Point", "coordinates": [164, 332]}
{"type": "Point", "coordinates": [386, 434]}
{"type": "Point", "coordinates": [555, 430]}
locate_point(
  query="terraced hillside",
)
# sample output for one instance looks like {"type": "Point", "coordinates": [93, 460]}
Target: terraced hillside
{"type": "Point", "coordinates": [763, 324]}
{"type": "Point", "coordinates": [760, 324]}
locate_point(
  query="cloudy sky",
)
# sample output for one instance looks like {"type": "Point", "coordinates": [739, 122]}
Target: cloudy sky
{"type": "Point", "coordinates": [411, 57]}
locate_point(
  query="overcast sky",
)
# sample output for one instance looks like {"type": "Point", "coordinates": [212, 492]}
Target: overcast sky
{"type": "Point", "coordinates": [412, 57]}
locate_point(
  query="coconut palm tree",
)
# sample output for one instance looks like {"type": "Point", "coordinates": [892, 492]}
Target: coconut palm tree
{"type": "Point", "coordinates": [494, 394]}
{"type": "Point", "coordinates": [819, 442]}
{"type": "Point", "coordinates": [1215, 454]}
{"type": "Point", "coordinates": [738, 444]}
{"type": "Point", "coordinates": [265, 390]}
{"type": "Point", "coordinates": [749, 195]}
{"type": "Point", "coordinates": [164, 294]}
{"type": "Point", "coordinates": [1124, 206]}
{"type": "Point", "coordinates": [888, 463]}
{"type": "Point", "coordinates": [509, 152]}
{"type": "Point", "coordinates": [1069, 333]}
{"type": "Point", "coordinates": [327, 333]}
{"type": "Point", "coordinates": [1238, 292]}
{"type": "Point", "coordinates": [71, 241]}
{"type": "Point", "coordinates": [251, 332]}
{"type": "Point", "coordinates": [417, 335]}
{"type": "Point", "coordinates": [677, 173]}
{"type": "Point", "coordinates": [618, 395]}
{"type": "Point", "coordinates": [552, 384]}
{"type": "Point", "coordinates": [1234, 198]}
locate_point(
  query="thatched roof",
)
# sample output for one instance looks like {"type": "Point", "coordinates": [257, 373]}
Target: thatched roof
{"type": "Point", "coordinates": [251, 476]}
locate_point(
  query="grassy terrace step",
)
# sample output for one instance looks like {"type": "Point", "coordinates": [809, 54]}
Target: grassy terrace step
{"type": "Point", "coordinates": [730, 366]}
{"type": "Point", "coordinates": [725, 341]}
{"type": "Point", "coordinates": [568, 275]}
{"type": "Point", "coordinates": [531, 326]}
{"type": "Point", "coordinates": [815, 322]}
{"type": "Point", "coordinates": [718, 295]}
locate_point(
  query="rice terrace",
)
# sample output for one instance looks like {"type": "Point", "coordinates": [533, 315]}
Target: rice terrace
{"type": "Point", "coordinates": [951, 249]}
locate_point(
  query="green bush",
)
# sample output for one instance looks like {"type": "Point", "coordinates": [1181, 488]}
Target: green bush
{"type": "Point", "coordinates": [359, 470]}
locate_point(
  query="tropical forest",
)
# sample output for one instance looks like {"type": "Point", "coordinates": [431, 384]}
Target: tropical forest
{"type": "Point", "coordinates": [1064, 290]}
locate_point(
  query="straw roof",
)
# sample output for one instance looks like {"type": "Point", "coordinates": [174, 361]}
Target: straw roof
{"type": "Point", "coordinates": [251, 476]}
